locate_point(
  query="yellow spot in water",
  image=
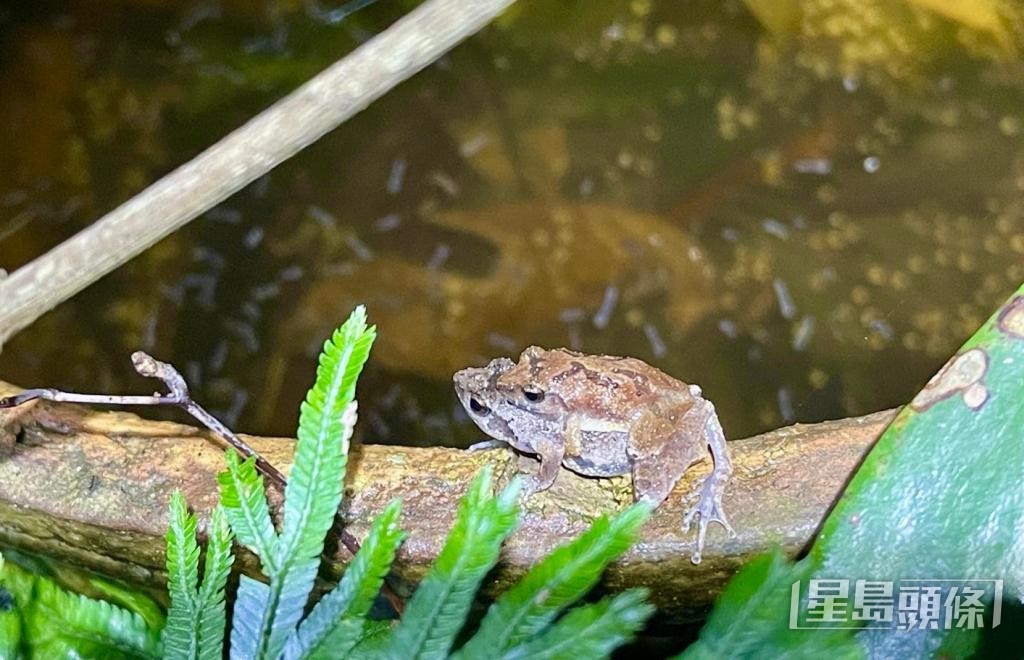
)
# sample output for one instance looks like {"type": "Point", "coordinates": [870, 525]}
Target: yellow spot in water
{"type": "Point", "coordinates": [640, 8]}
{"type": "Point", "coordinates": [666, 35]}
{"type": "Point", "coordinates": [899, 280]}
{"type": "Point", "coordinates": [1017, 243]}
{"type": "Point", "coordinates": [635, 317]}
{"type": "Point", "coordinates": [876, 274]}
{"type": "Point", "coordinates": [917, 264]}
{"type": "Point", "coordinates": [912, 341]}
{"type": "Point", "coordinates": [653, 132]}
{"type": "Point", "coordinates": [540, 238]}
{"type": "Point", "coordinates": [1009, 125]}
{"type": "Point", "coordinates": [817, 378]}
{"type": "Point", "coordinates": [860, 295]}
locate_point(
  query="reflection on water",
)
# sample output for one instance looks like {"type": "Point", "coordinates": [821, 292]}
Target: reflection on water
{"type": "Point", "coordinates": [779, 201]}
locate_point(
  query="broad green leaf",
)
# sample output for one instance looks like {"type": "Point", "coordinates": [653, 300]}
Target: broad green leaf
{"type": "Point", "coordinates": [335, 624]}
{"type": "Point", "coordinates": [437, 611]}
{"type": "Point", "coordinates": [589, 631]}
{"type": "Point", "coordinates": [10, 618]}
{"type": "Point", "coordinates": [556, 582]}
{"type": "Point", "coordinates": [938, 497]}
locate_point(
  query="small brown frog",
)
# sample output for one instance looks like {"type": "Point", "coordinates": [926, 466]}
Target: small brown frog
{"type": "Point", "coordinates": [602, 416]}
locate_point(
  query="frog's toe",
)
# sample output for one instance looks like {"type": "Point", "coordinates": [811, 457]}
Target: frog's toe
{"type": "Point", "coordinates": [707, 510]}
{"type": "Point", "coordinates": [485, 445]}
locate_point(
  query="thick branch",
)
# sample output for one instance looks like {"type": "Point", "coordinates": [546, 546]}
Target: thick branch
{"type": "Point", "coordinates": [92, 488]}
{"type": "Point", "coordinates": [273, 136]}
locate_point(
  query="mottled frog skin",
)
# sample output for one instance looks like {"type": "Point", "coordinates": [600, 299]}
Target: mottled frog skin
{"type": "Point", "coordinates": [602, 416]}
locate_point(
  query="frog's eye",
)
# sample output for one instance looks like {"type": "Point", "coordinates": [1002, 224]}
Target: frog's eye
{"type": "Point", "coordinates": [533, 394]}
{"type": "Point", "coordinates": [478, 408]}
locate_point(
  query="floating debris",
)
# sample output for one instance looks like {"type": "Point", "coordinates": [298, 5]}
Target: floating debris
{"type": "Point", "coordinates": [728, 328]}
{"type": "Point", "coordinates": [572, 314]}
{"type": "Point", "coordinates": [253, 238]}
{"type": "Point", "coordinates": [502, 342]}
{"type": "Point", "coordinates": [818, 166]}
{"type": "Point", "coordinates": [291, 274]}
{"type": "Point", "coordinates": [472, 146]}
{"type": "Point", "coordinates": [359, 248]}
{"type": "Point", "coordinates": [397, 176]}
{"type": "Point", "coordinates": [785, 399]}
{"type": "Point", "coordinates": [440, 256]}
{"type": "Point", "coordinates": [786, 306]}
{"type": "Point", "coordinates": [775, 228]}
{"type": "Point", "coordinates": [654, 338]}
{"type": "Point", "coordinates": [387, 222]}
{"type": "Point", "coordinates": [447, 184]}
{"type": "Point", "coordinates": [604, 312]}
{"type": "Point", "coordinates": [803, 332]}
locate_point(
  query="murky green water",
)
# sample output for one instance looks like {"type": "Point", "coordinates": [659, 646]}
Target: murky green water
{"type": "Point", "coordinates": [805, 220]}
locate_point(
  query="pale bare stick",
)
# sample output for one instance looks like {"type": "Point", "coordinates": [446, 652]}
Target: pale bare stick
{"type": "Point", "coordinates": [270, 138]}
{"type": "Point", "coordinates": [178, 395]}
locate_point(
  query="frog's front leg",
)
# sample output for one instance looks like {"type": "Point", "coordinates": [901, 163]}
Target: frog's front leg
{"type": "Point", "coordinates": [550, 449]}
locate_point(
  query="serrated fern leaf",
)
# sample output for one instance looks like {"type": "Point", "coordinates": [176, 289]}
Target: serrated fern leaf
{"type": "Point", "coordinates": [557, 581]}
{"type": "Point", "coordinates": [371, 643]}
{"type": "Point", "coordinates": [250, 604]}
{"type": "Point", "coordinates": [326, 420]}
{"type": "Point", "coordinates": [333, 626]}
{"type": "Point", "coordinates": [437, 611]}
{"type": "Point", "coordinates": [179, 636]}
{"type": "Point", "coordinates": [245, 504]}
{"type": "Point", "coordinates": [62, 624]}
{"type": "Point", "coordinates": [589, 631]}
{"type": "Point", "coordinates": [134, 601]}
{"type": "Point", "coordinates": [210, 602]}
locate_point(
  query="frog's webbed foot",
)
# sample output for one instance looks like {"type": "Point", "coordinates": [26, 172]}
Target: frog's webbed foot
{"type": "Point", "coordinates": [491, 443]}
{"type": "Point", "coordinates": [708, 509]}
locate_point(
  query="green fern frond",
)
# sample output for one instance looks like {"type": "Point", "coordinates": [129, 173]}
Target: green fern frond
{"type": "Point", "coordinates": [210, 602]}
{"type": "Point", "coordinates": [437, 611]}
{"type": "Point", "coordinates": [62, 624]}
{"type": "Point", "coordinates": [135, 601]}
{"type": "Point", "coordinates": [326, 419]}
{"type": "Point", "coordinates": [179, 636]}
{"type": "Point", "coordinates": [245, 504]}
{"type": "Point", "coordinates": [335, 624]}
{"type": "Point", "coordinates": [246, 617]}
{"type": "Point", "coordinates": [371, 642]}
{"type": "Point", "coordinates": [589, 631]}
{"type": "Point", "coordinates": [556, 582]}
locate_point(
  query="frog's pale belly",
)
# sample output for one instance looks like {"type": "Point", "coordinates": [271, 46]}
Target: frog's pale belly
{"type": "Point", "coordinates": [598, 454]}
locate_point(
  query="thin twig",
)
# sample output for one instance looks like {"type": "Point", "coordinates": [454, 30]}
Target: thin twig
{"type": "Point", "coordinates": [178, 395]}
{"type": "Point", "coordinates": [275, 135]}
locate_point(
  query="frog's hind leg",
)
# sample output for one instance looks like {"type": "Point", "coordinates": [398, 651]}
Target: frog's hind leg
{"type": "Point", "coordinates": [664, 444]}
{"type": "Point", "coordinates": [708, 507]}
{"type": "Point", "coordinates": [662, 452]}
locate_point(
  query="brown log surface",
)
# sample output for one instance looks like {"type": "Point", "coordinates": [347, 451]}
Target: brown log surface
{"type": "Point", "coordinates": [91, 488]}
